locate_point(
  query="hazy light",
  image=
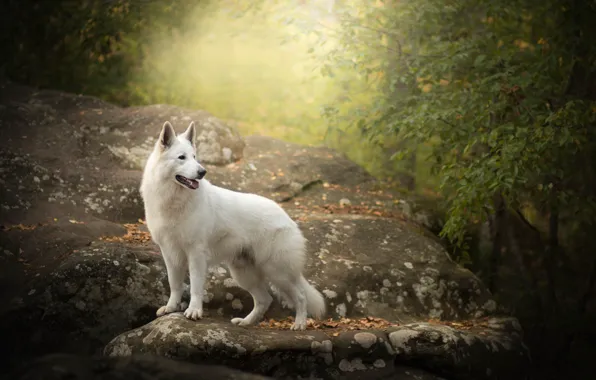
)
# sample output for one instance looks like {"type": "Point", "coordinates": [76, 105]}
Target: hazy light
{"type": "Point", "coordinates": [255, 69]}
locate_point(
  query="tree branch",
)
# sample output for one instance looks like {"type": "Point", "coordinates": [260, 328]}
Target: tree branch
{"type": "Point", "coordinates": [526, 221]}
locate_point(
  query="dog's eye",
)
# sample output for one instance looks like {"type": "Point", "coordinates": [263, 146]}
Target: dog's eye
{"type": "Point", "coordinates": [182, 157]}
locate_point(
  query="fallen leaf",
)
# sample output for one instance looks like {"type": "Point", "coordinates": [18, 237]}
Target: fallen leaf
{"type": "Point", "coordinates": [133, 235]}
{"type": "Point", "coordinates": [343, 324]}
{"type": "Point", "coordinates": [22, 227]}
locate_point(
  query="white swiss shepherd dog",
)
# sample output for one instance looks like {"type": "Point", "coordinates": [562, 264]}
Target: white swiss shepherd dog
{"type": "Point", "coordinates": [197, 224]}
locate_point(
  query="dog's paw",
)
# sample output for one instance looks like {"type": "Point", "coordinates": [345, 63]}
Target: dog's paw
{"type": "Point", "coordinates": [299, 325]}
{"type": "Point", "coordinates": [241, 322]}
{"type": "Point", "coordinates": [194, 314]}
{"type": "Point", "coordinates": [166, 310]}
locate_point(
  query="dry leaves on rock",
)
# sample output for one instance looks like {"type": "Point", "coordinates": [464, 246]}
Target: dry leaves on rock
{"type": "Point", "coordinates": [462, 325]}
{"type": "Point", "coordinates": [343, 324]}
{"type": "Point", "coordinates": [21, 227]}
{"type": "Point", "coordinates": [134, 234]}
{"type": "Point", "coordinates": [335, 327]}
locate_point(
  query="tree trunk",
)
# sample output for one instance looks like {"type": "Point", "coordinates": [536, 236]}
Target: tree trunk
{"type": "Point", "coordinates": [497, 224]}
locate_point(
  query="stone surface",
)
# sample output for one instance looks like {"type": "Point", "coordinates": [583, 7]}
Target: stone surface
{"type": "Point", "coordinates": [70, 168]}
{"type": "Point", "coordinates": [153, 367]}
{"type": "Point", "coordinates": [105, 288]}
{"type": "Point", "coordinates": [77, 153]}
{"type": "Point", "coordinates": [490, 350]}
{"type": "Point", "coordinates": [72, 367]}
{"type": "Point", "coordinates": [93, 294]}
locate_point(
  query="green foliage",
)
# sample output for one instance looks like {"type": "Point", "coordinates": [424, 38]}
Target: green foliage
{"type": "Point", "coordinates": [491, 87]}
{"type": "Point", "coordinates": [86, 46]}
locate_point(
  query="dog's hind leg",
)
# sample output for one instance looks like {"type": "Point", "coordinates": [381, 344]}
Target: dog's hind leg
{"type": "Point", "coordinates": [288, 281]}
{"type": "Point", "coordinates": [284, 298]}
{"type": "Point", "coordinates": [296, 293]}
{"type": "Point", "coordinates": [248, 278]}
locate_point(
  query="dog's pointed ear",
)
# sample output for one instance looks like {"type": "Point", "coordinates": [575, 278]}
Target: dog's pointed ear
{"type": "Point", "coordinates": [167, 135]}
{"type": "Point", "coordinates": [190, 133]}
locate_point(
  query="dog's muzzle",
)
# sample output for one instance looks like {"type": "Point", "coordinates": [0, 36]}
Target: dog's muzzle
{"type": "Point", "coordinates": [192, 184]}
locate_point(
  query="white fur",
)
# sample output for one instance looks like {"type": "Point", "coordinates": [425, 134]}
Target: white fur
{"type": "Point", "coordinates": [195, 229]}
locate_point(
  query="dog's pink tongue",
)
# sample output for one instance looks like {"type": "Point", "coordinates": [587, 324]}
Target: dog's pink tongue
{"type": "Point", "coordinates": [194, 184]}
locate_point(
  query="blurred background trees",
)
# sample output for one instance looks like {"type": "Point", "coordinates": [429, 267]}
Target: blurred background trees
{"type": "Point", "coordinates": [91, 46]}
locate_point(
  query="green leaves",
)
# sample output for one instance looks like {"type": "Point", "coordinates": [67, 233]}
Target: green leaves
{"type": "Point", "coordinates": [90, 47]}
{"type": "Point", "coordinates": [478, 79]}
{"type": "Point", "coordinates": [479, 60]}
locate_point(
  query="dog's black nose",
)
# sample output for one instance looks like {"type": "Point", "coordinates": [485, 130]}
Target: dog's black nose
{"type": "Point", "coordinates": [201, 173]}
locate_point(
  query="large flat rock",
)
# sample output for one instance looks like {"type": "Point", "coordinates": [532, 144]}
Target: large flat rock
{"type": "Point", "coordinates": [491, 349]}
{"type": "Point", "coordinates": [378, 267]}
{"type": "Point", "coordinates": [77, 268]}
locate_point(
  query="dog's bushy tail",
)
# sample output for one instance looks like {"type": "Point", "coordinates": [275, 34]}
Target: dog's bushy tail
{"type": "Point", "coordinates": [315, 302]}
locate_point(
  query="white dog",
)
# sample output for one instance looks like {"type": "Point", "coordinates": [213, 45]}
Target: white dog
{"type": "Point", "coordinates": [197, 224]}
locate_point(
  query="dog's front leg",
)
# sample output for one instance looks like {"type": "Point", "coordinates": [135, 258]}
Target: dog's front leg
{"type": "Point", "coordinates": [176, 268]}
{"type": "Point", "coordinates": [197, 267]}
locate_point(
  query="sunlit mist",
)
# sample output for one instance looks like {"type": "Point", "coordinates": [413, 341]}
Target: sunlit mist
{"type": "Point", "coordinates": [258, 68]}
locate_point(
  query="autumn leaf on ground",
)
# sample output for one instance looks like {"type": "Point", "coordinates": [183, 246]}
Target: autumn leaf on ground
{"type": "Point", "coordinates": [336, 326]}
{"type": "Point", "coordinates": [463, 324]}
{"type": "Point", "coordinates": [21, 227]}
{"type": "Point", "coordinates": [133, 235]}
{"type": "Point", "coordinates": [343, 324]}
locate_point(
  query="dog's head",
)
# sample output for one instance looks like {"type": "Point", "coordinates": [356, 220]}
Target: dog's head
{"type": "Point", "coordinates": [177, 156]}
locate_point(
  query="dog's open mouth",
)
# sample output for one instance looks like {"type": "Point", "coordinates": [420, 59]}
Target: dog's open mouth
{"type": "Point", "coordinates": [190, 183]}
